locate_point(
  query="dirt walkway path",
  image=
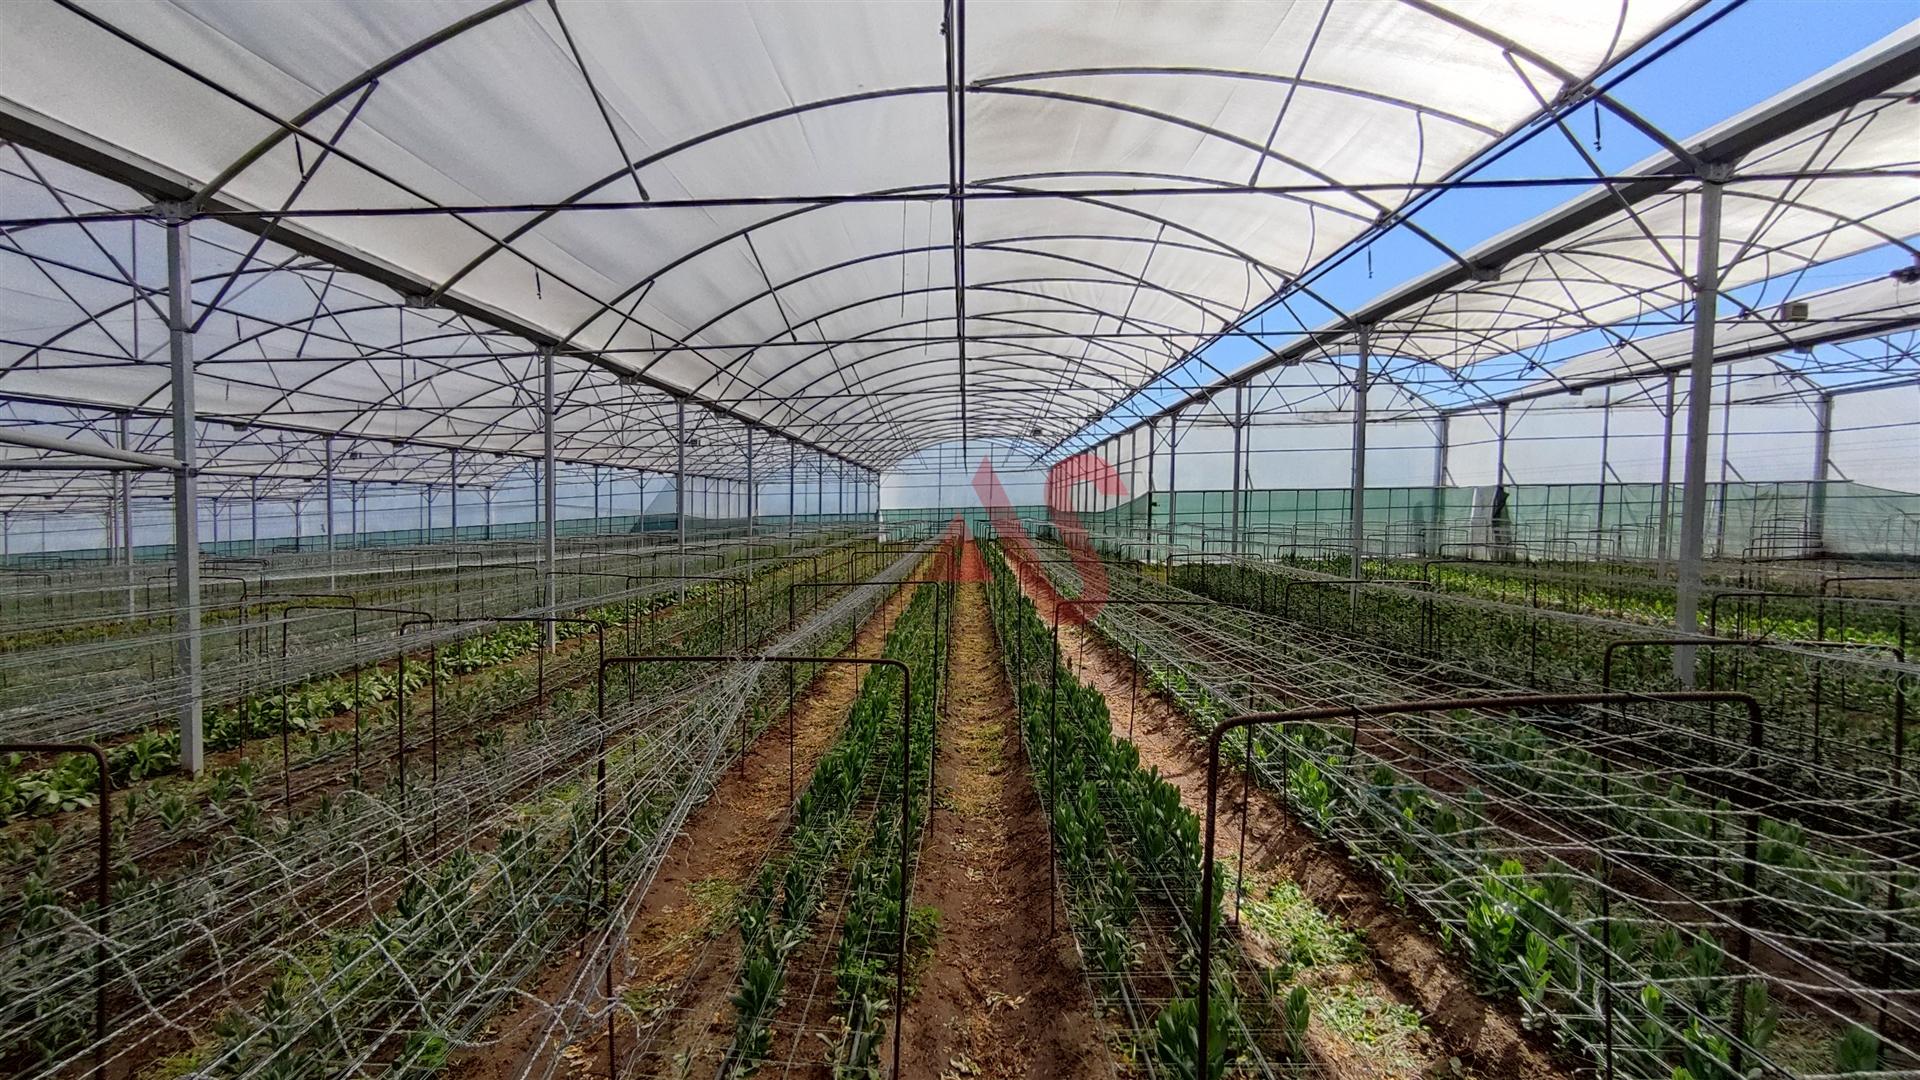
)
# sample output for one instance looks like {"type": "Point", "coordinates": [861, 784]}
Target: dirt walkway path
{"type": "Point", "coordinates": [680, 945]}
{"type": "Point", "coordinates": [1484, 1035]}
{"type": "Point", "coordinates": [998, 998]}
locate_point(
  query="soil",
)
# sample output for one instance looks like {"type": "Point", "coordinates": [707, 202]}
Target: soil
{"type": "Point", "coordinates": [999, 997]}
{"type": "Point", "coordinates": [679, 948]}
{"type": "Point", "coordinates": [1484, 1035]}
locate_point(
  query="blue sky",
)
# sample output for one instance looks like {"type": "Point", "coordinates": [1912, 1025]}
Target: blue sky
{"type": "Point", "coordinates": [1751, 53]}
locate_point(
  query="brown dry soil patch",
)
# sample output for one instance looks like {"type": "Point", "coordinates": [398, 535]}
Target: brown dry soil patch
{"type": "Point", "coordinates": [679, 947]}
{"type": "Point", "coordinates": [1000, 997]}
{"type": "Point", "coordinates": [1485, 1035]}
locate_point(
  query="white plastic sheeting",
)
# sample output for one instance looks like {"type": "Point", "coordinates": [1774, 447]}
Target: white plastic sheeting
{"type": "Point", "coordinates": [829, 318]}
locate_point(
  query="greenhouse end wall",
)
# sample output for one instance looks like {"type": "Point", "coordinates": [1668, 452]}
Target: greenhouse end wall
{"type": "Point", "coordinates": [1745, 520]}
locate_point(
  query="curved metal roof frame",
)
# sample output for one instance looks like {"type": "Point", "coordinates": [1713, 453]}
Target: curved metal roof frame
{"type": "Point", "coordinates": [1822, 171]}
{"type": "Point", "coordinates": [718, 310]}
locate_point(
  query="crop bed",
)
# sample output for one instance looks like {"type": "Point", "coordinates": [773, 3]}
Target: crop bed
{"type": "Point", "coordinates": [276, 937]}
{"type": "Point", "coordinates": [1613, 893]}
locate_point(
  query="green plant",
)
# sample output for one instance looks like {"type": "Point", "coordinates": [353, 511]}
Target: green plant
{"type": "Point", "coordinates": [1176, 1042]}
{"type": "Point", "coordinates": [752, 1003]}
{"type": "Point", "coordinates": [1296, 1012]}
{"type": "Point", "coordinates": [1857, 1050]}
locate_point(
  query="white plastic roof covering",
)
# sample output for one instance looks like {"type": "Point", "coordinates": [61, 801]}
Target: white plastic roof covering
{"type": "Point", "coordinates": [827, 317]}
{"type": "Point", "coordinates": [1634, 268]}
{"type": "Point", "coordinates": [1620, 259]}
{"type": "Point", "coordinates": [296, 351]}
{"type": "Point", "coordinates": [1861, 309]}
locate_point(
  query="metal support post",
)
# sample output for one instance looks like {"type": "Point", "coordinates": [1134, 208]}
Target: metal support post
{"type": "Point", "coordinates": [1435, 532]}
{"type": "Point", "coordinates": [680, 490]}
{"type": "Point", "coordinates": [1173, 481]}
{"type": "Point", "coordinates": [326, 496]}
{"type": "Point", "coordinates": [753, 493]}
{"type": "Point", "coordinates": [1359, 496]}
{"type": "Point", "coordinates": [1239, 449]}
{"type": "Point", "coordinates": [549, 491]}
{"type": "Point", "coordinates": [186, 501]}
{"type": "Point", "coordinates": [125, 480]}
{"type": "Point", "coordinates": [1726, 442]}
{"type": "Point", "coordinates": [1693, 484]}
{"type": "Point", "coordinates": [1665, 515]}
{"type": "Point", "coordinates": [1153, 438]}
{"type": "Point", "coordinates": [1822, 471]}
{"type": "Point", "coordinates": [1499, 528]}
{"type": "Point", "coordinates": [1600, 503]}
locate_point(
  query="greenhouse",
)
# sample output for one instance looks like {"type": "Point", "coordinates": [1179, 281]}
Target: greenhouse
{"type": "Point", "coordinates": [960, 539]}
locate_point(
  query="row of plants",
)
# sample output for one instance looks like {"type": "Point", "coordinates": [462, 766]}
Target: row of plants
{"type": "Point", "coordinates": [1543, 933]}
{"type": "Point", "coordinates": [138, 648]}
{"type": "Point", "coordinates": [868, 955]}
{"type": "Point", "coordinates": [397, 991]}
{"type": "Point", "coordinates": [492, 931]}
{"type": "Point", "coordinates": [262, 879]}
{"type": "Point", "coordinates": [703, 624]}
{"type": "Point", "coordinates": [123, 649]}
{"type": "Point", "coordinates": [1127, 847]}
{"type": "Point", "coordinates": [1842, 719]}
{"type": "Point", "coordinates": [777, 910]}
{"type": "Point", "coordinates": [1634, 594]}
{"type": "Point", "coordinates": [253, 883]}
{"type": "Point", "coordinates": [1839, 880]}
{"type": "Point", "coordinates": [70, 782]}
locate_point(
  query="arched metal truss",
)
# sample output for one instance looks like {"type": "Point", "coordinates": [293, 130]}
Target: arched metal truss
{"type": "Point", "coordinates": [388, 230]}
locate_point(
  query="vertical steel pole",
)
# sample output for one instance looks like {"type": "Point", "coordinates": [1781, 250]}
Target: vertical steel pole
{"type": "Point", "coordinates": [1606, 430]}
{"type": "Point", "coordinates": [253, 517]}
{"type": "Point", "coordinates": [326, 496]}
{"type": "Point", "coordinates": [1239, 412]}
{"type": "Point", "coordinates": [1358, 498]}
{"type": "Point", "coordinates": [126, 516]}
{"type": "Point", "coordinates": [1173, 482]}
{"type": "Point", "coordinates": [680, 490]}
{"type": "Point", "coordinates": [793, 483]}
{"type": "Point", "coordinates": [186, 498]}
{"type": "Point", "coordinates": [1693, 484]}
{"type": "Point", "coordinates": [753, 492]}
{"type": "Point", "coordinates": [1822, 470]}
{"type": "Point", "coordinates": [1153, 438]}
{"type": "Point", "coordinates": [1665, 517]}
{"type": "Point", "coordinates": [1434, 527]}
{"type": "Point", "coordinates": [453, 499]}
{"type": "Point", "coordinates": [1502, 534]}
{"type": "Point", "coordinates": [549, 491]}
{"type": "Point", "coordinates": [1726, 442]}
